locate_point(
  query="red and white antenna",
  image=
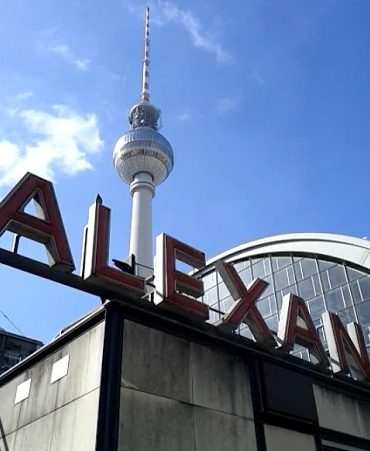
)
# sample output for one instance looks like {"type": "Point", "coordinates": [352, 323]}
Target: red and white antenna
{"type": "Point", "coordinates": [146, 62]}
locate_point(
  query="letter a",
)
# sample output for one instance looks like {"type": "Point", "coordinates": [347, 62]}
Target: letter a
{"type": "Point", "coordinates": [46, 227]}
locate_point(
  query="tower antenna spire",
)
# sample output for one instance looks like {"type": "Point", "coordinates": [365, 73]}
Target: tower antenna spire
{"type": "Point", "coordinates": [146, 62]}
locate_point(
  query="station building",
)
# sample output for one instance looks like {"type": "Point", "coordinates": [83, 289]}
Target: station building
{"type": "Point", "coordinates": [132, 376]}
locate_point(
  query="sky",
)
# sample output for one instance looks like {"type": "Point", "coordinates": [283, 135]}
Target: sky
{"type": "Point", "coordinates": [265, 103]}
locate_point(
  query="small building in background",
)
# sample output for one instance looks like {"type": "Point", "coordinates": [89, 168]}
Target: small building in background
{"type": "Point", "coordinates": [14, 348]}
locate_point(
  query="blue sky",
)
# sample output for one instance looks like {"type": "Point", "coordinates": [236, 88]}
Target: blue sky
{"type": "Point", "coordinates": [264, 102]}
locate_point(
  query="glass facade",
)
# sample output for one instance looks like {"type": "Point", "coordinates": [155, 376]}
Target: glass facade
{"type": "Point", "coordinates": [324, 285]}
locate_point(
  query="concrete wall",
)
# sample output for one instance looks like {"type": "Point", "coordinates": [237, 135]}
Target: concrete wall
{"type": "Point", "coordinates": [279, 439]}
{"type": "Point", "coordinates": [342, 413]}
{"type": "Point", "coordinates": [179, 395]}
{"type": "Point", "coordinates": [53, 406]}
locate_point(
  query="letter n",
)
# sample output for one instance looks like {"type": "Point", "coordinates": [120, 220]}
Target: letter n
{"type": "Point", "coordinates": [346, 347]}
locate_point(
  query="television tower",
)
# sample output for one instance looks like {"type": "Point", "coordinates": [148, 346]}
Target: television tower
{"type": "Point", "coordinates": [143, 158]}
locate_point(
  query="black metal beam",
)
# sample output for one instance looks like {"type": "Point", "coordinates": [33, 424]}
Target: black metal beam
{"type": "Point", "coordinates": [109, 401]}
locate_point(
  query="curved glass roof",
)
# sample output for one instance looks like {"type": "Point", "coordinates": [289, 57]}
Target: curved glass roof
{"type": "Point", "coordinates": [324, 285]}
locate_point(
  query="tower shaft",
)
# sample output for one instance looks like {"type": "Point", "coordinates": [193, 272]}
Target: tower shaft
{"type": "Point", "coordinates": [142, 191]}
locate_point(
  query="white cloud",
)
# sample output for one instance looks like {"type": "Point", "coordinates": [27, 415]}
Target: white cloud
{"type": "Point", "coordinates": [255, 75]}
{"type": "Point", "coordinates": [165, 12]}
{"type": "Point", "coordinates": [225, 105]}
{"type": "Point", "coordinates": [67, 53]}
{"type": "Point", "coordinates": [185, 116]}
{"type": "Point", "coordinates": [24, 95]}
{"type": "Point", "coordinates": [60, 143]}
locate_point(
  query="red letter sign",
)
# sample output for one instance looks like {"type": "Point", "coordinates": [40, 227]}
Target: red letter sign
{"type": "Point", "coordinates": [296, 326]}
{"type": "Point", "coordinates": [175, 288]}
{"type": "Point", "coordinates": [244, 308]}
{"type": "Point", "coordinates": [46, 227]}
{"type": "Point", "coordinates": [347, 349]}
{"type": "Point", "coordinates": [95, 254]}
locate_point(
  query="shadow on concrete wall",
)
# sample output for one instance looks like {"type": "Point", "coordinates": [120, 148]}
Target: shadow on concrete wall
{"type": "Point", "coordinates": [3, 442]}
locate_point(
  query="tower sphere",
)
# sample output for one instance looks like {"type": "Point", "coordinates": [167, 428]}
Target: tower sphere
{"type": "Point", "coordinates": [143, 149]}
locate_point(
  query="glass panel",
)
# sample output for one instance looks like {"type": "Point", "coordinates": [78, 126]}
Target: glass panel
{"type": "Point", "coordinates": [296, 259]}
{"type": "Point", "coordinates": [298, 271]}
{"type": "Point", "coordinates": [347, 315]}
{"type": "Point", "coordinates": [264, 307]}
{"type": "Point", "coordinates": [272, 323]}
{"type": "Point", "coordinates": [334, 300]}
{"type": "Point", "coordinates": [226, 303]}
{"type": "Point", "coordinates": [355, 290]}
{"type": "Point", "coordinates": [284, 261]}
{"type": "Point", "coordinates": [324, 264]}
{"type": "Point", "coordinates": [268, 269]}
{"type": "Point", "coordinates": [258, 270]}
{"type": "Point", "coordinates": [325, 281]}
{"type": "Point", "coordinates": [274, 264]}
{"type": "Point", "coordinates": [346, 296]}
{"type": "Point", "coordinates": [281, 279]}
{"type": "Point", "coordinates": [270, 289]}
{"type": "Point", "coordinates": [223, 291]}
{"type": "Point", "coordinates": [213, 316]}
{"type": "Point", "coordinates": [308, 266]}
{"type": "Point", "coordinates": [210, 296]}
{"type": "Point", "coordinates": [316, 307]}
{"type": "Point", "coordinates": [239, 266]}
{"type": "Point", "coordinates": [353, 274]}
{"type": "Point", "coordinates": [363, 313]}
{"type": "Point", "coordinates": [365, 287]}
{"type": "Point", "coordinates": [246, 332]}
{"type": "Point", "coordinates": [306, 289]}
{"type": "Point", "coordinates": [246, 276]}
{"type": "Point", "coordinates": [290, 273]}
{"type": "Point", "coordinates": [273, 306]}
{"type": "Point", "coordinates": [337, 276]}
{"type": "Point", "coordinates": [210, 280]}
{"type": "Point", "coordinates": [280, 294]}
{"type": "Point", "coordinates": [317, 284]}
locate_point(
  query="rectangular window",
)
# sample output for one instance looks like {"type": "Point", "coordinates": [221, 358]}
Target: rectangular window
{"type": "Point", "coordinates": [263, 306]}
{"type": "Point", "coordinates": [337, 276]}
{"type": "Point", "coordinates": [281, 279]}
{"type": "Point", "coordinates": [309, 267]}
{"type": "Point", "coordinates": [258, 270]}
{"type": "Point", "coordinates": [317, 284]}
{"type": "Point", "coordinates": [325, 281]}
{"type": "Point", "coordinates": [347, 315]}
{"type": "Point", "coordinates": [363, 313]}
{"type": "Point", "coordinates": [355, 290]}
{"type": "Point", "coordinates": [298, 271]}
{"type": "Point", "coordinates": [246, 276]}
{"type": "Point", "coordinates": [365, 287]}
{"type": "Point", "coordinates": [334, 300]}
{"type": "Point", "coordinates": [223, 292]}
{"type": "Point", "coordinates": [210, 296]}
{"type": "Point", "coordinates": [347, 296]}
{"type": "Point", "coordinates": [306, 289]}
{"type": "Point", "coordinates": [353, 274]}
{"type": "Point", "coordinates": [210, 280]}
{"type": "Point", "coordinates": [316, 307]}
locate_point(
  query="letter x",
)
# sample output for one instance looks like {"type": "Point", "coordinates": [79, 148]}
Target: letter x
{"type": "Point", "coordinates": [244, 308]}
